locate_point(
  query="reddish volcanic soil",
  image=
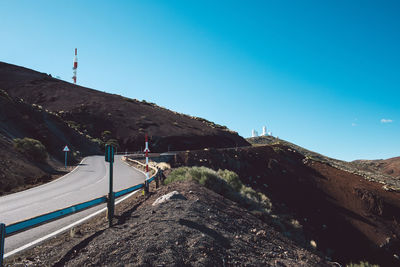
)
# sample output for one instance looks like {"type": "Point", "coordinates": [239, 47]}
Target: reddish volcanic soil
{"type": "Point", "coordinates": [94, 112]}
{"type": "Point", "coordinates": [58, 113]}
{"type": "Point", "coordinates": [342, 211]}
{"type": "Point", "coordinates": [18, 170]}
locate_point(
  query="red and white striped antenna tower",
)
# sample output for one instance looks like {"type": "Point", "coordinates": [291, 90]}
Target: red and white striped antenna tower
{"type": "Point", "coordinates": [75, 65]}
{"type": "Point", "coordinates": [147, 150]}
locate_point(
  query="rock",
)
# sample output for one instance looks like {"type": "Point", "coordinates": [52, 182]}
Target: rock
{"type": "Point", "coordinates": [261, 233]}
{"type": "Point", "coordinates": [313, 244]}
{"type": "Point", "coordinates": [168, 197]}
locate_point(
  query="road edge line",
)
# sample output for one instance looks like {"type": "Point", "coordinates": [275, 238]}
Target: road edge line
{"type": "Point", "coordinates": [59, 178]}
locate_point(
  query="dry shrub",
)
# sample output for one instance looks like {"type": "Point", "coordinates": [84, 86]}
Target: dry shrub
{"type": "Point", "coordinates": [225, 183]}
{"type": "Point", "coordinates": [31, 148]}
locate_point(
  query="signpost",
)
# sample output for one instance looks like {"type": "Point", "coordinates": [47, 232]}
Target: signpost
{"type": "Point", "coordinates": [66, 150]}
{"type": "Point", "coordinates": [109, 157]}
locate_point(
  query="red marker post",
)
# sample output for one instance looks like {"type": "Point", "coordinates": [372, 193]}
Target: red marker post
{"type": "Point", "coordinates": [75, 65]}
{"type": "Point", "coordinates": [147, 150]}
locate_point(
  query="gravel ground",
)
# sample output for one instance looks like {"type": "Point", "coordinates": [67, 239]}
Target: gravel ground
{"type": "Point", "coordinates": [203, 230]}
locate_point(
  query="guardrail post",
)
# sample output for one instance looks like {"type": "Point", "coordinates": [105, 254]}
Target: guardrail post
{"type": "Point", "coordinates": [157, 178]}
{"type": "Point", "coordinates": [146, 187]}
{"type": "Point", "coordinates": [2, 237]}
{"type": "Point", "coordinates": [162, 176]}
{"type": "Point", "coordinates": [111, 197]}
{"type": "Point", "coordinates": [110, 208]}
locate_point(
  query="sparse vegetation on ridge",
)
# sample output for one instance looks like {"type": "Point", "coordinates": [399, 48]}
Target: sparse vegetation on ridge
{"type": "Point", "coordinates": [225, 183]}
{"type": "Point", "coordinates": [228, 184]}
{"type": "Point", "coordinates": [4, 94]}
{"type": "Point", "coordinates": [362, 264]}
{"type": "Point", "coordinates": [355, 167]}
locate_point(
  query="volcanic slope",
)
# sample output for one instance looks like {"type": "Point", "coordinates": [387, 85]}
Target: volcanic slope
{"type": "Point", "coordinates": [19, 168]}
{"type": "Point", "coordinates": [386, 172]}
{"type": "Point", "coordinates": [350, 216]}
{"type": "Point", "coordinates": [126, 120]}
{"type": "Point", "coordinates": [389, 166]}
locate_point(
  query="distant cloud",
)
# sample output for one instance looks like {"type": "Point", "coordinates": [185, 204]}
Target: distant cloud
{"type": "Point", "coordinates": [354, 124]}
{"type": "Point", "coordinates": [386, 121]}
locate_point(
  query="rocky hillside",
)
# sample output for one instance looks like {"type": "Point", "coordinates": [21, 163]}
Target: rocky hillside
{"type": "Point", "coordinates": [97, 114]}
{"type": "Point", "coordinates": [200, 228]}
{"type": "Point", "coordinates": [351, 217]}
{"type": "Point", "coordinates": [386, 172]}
{"type": "Point", "coordinates": [39, 158]}
{"type": "Point", "coordinates": [317, 214]}
{"type": "Point", "coordinates": [389, 166]}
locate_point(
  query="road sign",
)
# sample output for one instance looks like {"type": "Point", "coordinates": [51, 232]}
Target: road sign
{"type": "Point", "coordinates": [66, 150]}
{"type": "Point", "coordinates": [109, 154]}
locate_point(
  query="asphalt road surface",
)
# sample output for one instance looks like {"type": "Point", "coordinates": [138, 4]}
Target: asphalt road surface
{"type": "Point", "coordinates": [88, 181]}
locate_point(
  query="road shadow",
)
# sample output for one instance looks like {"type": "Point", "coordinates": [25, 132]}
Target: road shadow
{"type": "Point", "coordinates": [74, 251]}
{"type": "Point", "coordinates": [121, 219]}
{"type": "Point", "coordinates": [208, 231]}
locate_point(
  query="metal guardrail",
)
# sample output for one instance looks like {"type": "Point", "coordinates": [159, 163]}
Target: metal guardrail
{"type": "Point", "coordinates": [51, 216]}
{"type": "Point", "coordinates": [14, 228]}
{"type": "Point", "coordinates": [2, 237]}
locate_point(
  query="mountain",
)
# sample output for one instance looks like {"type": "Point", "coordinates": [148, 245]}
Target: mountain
{"type": "Point", "coordinates": [101, 115]}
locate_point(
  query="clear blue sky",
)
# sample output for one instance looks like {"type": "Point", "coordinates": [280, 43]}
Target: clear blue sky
{"type": "Point", "coordinates": [321, 74]}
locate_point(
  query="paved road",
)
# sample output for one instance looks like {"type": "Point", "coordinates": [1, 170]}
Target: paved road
{"type": "Point", "coordinates": [88, 181]}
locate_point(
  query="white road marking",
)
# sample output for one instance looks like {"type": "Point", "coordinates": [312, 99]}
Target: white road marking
{"type": "Point", "coordinates": [62, 195]}
{"type": "Point", "coordinates": [104, 177]}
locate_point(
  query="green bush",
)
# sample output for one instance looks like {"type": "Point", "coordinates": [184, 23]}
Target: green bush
{"type": "Point", "coordinates": [74, 125]}
{"type": "Point", "coordinates": [362, 264]}
{"type": "Point", "coordinates": [5, 94]}
{"type": "Point", "coordinates": [231, 178]}
{"type": "Point", "coordinates": [223, 182]}
{"type": "Point", "coordinates": [32, 148]}
{"type": "Point", "coordinates": [114, 143]}
{"type": "Point", "coordinates": [98, 141]}
{"type": "Point", "coordinates": [105, 136]}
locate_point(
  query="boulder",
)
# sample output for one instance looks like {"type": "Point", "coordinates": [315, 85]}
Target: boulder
{"type": "Point", "coordinates": [170, 196]}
